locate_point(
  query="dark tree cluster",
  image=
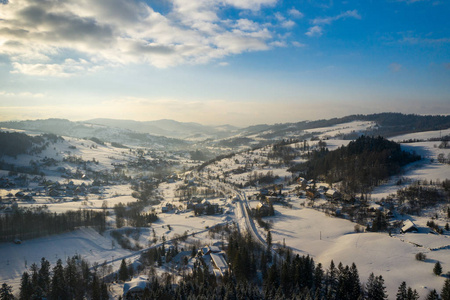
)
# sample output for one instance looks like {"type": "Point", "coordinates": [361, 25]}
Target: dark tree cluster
{"type": "Point", "coordinates": [132, 215]}
{"type": "Point", "coordinates": [31, 223]}
{"type": "Point", "coordinates": [413, 199]}
{"type": "Point", "coordinates": [360, 165]}
{"type": "Point", "coordinates": [282, 152]}
{"type": "Point", "coordinates": [15, 143]}
{"type": "Point", "coordinates": [75, 280]}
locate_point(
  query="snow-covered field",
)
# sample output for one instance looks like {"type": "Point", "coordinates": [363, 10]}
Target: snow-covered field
{"type": "Point", "coordinates": [326, 238]}
{"type": "Point", "coordinates": [93, 247]}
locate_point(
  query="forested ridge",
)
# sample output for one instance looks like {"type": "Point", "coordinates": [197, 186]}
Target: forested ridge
{"type": "Point", "coordinates": [359, 166]}
{"type": "Point", "coordinates": [15, 143]}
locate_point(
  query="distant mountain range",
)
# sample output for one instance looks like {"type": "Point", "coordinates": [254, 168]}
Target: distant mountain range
{"type": "Point", "coordinates": [170, 128]}
{"type": "Point", "coordinates": [87, 130]}
{"type": "Point", "coordinates": [180, 135]}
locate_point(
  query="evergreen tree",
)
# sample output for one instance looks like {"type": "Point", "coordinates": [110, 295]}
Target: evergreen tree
{"type": "Point", "coordinates": [6, 292]}
{"type": "Point", "coordinates": [58, 283]}
{"type": "Point", "coordinates": [318, 278]}
{"type": "Point", "coordinates": [355, 283]}
{"type": "Point", "coordinates": [375, 288]}
{"type": "Point", "coordinates": [269, 239]}
{"type": "Point", "coordinates": [26, 288]}
{"type": "Point", "coordinates": [96, 290]}
{"type": "Point", "coordinates": [437, 270]}
{"type": "Point", "coordinates": [402, 292]}
{"type": "Point", "coordinates": [412, 294]}
{"type": "Point", "coordinates": [123, 271]}
{"type": "Point", "coordinates": [432, 295]}
{"type": "Point", "coordinates": [445, 293]}
{"type": "Point", "coordinates": [73, 279]}
{"type": "Point", "coordinates": [104, 292]}
{"type": "Point", "coordinates": [44, 276]}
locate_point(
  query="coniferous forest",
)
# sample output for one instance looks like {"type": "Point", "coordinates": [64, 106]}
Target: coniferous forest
{"type": "Point", "coordinates": [361, 165]}
{"type": "Point", "coordinates": [31, 223]}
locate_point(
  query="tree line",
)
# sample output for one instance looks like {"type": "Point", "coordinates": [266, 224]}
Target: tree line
{"type": "Point", "coordinates": [75, 280]}
{"type": "Point", "coordinates": [27, 223]}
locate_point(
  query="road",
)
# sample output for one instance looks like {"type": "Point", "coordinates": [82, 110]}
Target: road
{"type": "Point", "coordinates": [243, 207]}
{"type": "Point", "coordinates": [139, 252]}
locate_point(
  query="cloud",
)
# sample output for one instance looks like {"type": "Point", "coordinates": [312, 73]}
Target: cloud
{"type": "Point", "coordinates": [420, 40]}
{"type": "Point", "coordinates": [295, 13]}
{"type": "Point", "coordinates": [21, 94]}
{"type": "Point", "coordinates": [62, 38]}
{"type": "Point", "coordinates": [411, 1]}
{"type": "Point", "coordinates": [328, 20]}
{"type": "Point", "coordinates": [298, 44]}
{"type": "Point", "coordinates": [317, 29]}
{"type": "Point", "coordinates": [281, 44]}
{"type": "Point", "coordinates": [286, 23]}
{"type": "Point", "coordinates": [395, 67]}
{"type": "Point", "coordinates": [314, 31]}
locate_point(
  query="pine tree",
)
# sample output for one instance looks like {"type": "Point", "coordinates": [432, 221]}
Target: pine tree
{"type": "Point", "coordinates": [96, 290]}
{"type": "Point", "coordinates": [432, 295]}
{"type": "Point", "coordinates": [104, 291]}
{"type": "Point", "coordinates": [26, 289]}
{"type": "Point", "coordinates": [58, 283]}
{"type": "Point", "coordinates": [437, 270]}
{"type": "Point", "coordinates": [6, 292]}
{"type": "Point", "coordinates": [318, 278]}
{"type": "Point", "coordinates": [44, 276]}
{"type": "Point", "coordinates": [445, 294]}
{"type": "Point", "coordinates": [123, 271]}
{"type": "Point", "coordinates": [402, 292]}
{"type": "Point", "coordinates": [375, 288]}
{"type": "Point", "coordinates": [355, 283]}
{"type": "Point", "coordinates": [412, 294]}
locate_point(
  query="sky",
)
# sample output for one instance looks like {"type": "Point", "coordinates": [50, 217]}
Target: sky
{"type": "Point", "coordinates": [239, 62]}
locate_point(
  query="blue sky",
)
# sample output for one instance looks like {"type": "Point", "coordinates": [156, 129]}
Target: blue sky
{"type": "Point", "coordinates": [240, 62]}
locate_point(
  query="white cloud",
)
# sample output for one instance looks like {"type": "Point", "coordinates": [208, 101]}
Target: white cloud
{"type": "Point", "coordinates": [62, 38]}
{"type": "Point", "coordinates": [298, 44]}
{"type": "Point", "coordinates": [21, 94]}
{"type": "Point", "coordinates": [317, 29]}
{"type": "Point", "coordinates": [66, 69]}
{"type": "Point", "coordinates": [279, 44]}
{"type": "Point", "coordinates": [295, 13]}
{"type": "Point", "coordinates": [328, 20]}
{"type": "Point", "coordinates": [314, 31]}
{"type": "Point", "coordinates": [249, 4]}
{"type": "Point", "coordinates": [288, 24]}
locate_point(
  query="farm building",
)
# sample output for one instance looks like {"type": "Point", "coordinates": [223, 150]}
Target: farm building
{"type": "Point", "coordinates": [135, 287]}
{"type": "Point", "coordinates": [409, 226]}
{"type": "Point", "coordinates": [220, 263]}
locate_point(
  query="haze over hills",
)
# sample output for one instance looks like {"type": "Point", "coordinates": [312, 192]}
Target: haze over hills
{"type": "Point", "coordinates": [182, 135]}
{"type": "Point", "coordinates": [168, 128]}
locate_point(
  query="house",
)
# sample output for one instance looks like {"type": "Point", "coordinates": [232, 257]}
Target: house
{"type": "Point", "coordinates": [408, 226]}
{"type": "Point", "coordinates": [136, 287]}
{"type": "Point", "coordinates": [166, 208]}
{"type": "Point", "coordinates": [219, 263]}
{"type": "Point", "coordinates": [332, 194]}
